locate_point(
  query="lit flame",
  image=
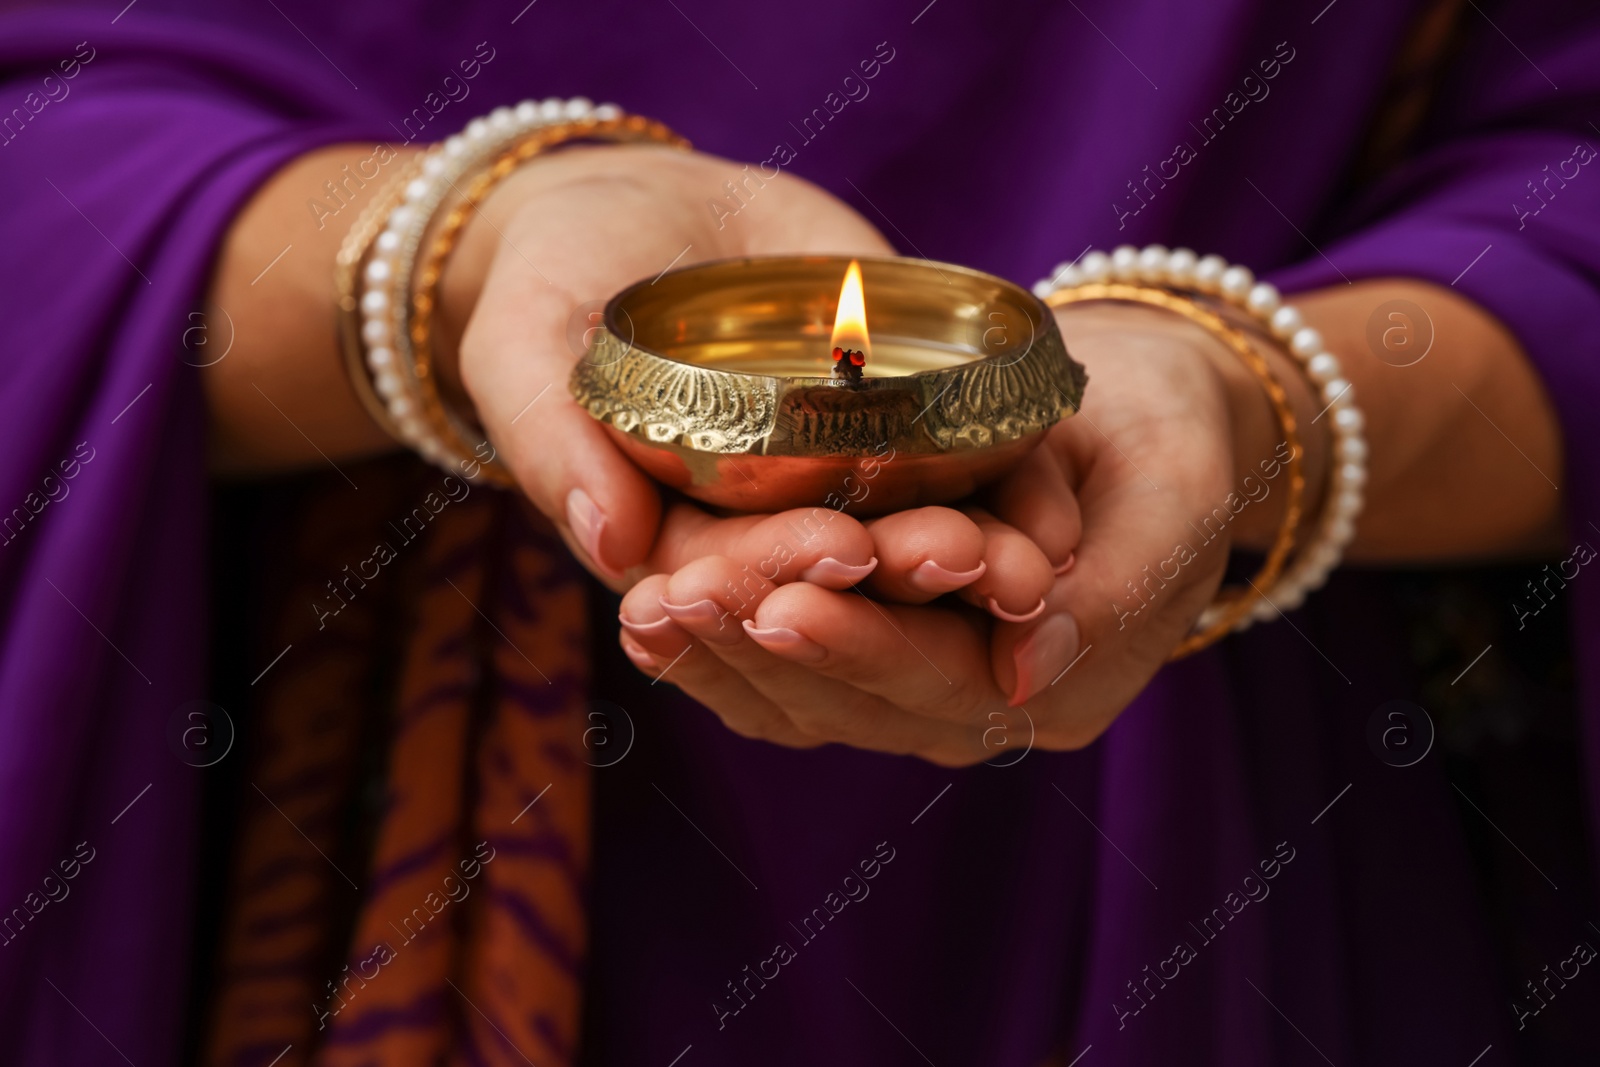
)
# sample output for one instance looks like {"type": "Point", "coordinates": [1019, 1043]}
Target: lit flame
{"type": "Point", "coordinates": [850, 322]}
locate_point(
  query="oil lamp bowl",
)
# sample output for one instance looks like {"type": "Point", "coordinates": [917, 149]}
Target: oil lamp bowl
{"type": "Point", "coordinates": [717, 380]}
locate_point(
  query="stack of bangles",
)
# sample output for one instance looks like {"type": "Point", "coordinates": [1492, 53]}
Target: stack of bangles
{"type": "Point", "coordinates": [1207, 290]}
{"type": "Point", "coordinates": [390, 265]}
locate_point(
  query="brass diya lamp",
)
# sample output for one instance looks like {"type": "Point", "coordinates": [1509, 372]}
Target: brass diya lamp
{"type": "Point", "coordinates": [756, 385]}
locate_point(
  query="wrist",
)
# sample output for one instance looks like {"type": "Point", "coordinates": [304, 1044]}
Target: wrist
{"type": "Point", "coordinates": [1259, 448]}
{"type": "Point", "coordinates": [460, 283]}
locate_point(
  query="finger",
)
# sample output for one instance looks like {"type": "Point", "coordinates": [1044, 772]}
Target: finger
{"type": "Point", "coordinates": [650, 627]}
{"type": "Point", "coordinates": [1037, 498]}
{"type": "Point", "coordinates": [924, 553]}
{"type": "Point", "coordinates": [1016, 575]}
{"type": "Point", "coordinates": [929, 659]}
{"type": "Point", "coordinates": [820, 707]}
{"type": "Point", "coordinates": [1029, 659]}
{"type": "Point", "coordinates": [710, 597]}
{"type": "Point", "coordinates": [1141, 576]}
{"type": "Point", "coordinates": [667, 653]}
{"type": "Point", "coordinates": [725, 693]}
{"type": "Point", "coordinates": [515, 364]}
{"type": "Point", "coordinates": [834, 711]}
{"type": "Point", "coordinates": [817, 545]}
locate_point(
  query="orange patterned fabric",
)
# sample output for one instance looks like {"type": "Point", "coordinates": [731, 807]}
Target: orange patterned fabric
{"type": "Point", "coordinates": [410, 873]}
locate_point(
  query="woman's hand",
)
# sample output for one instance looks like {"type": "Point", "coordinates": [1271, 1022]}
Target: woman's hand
{"type": "Point", "coordinates": [554, 242]}
{"type": "Point", "coordinates": [1165, 426]}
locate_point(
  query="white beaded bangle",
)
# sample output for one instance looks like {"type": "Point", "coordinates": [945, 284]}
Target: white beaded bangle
{"type": "Point", "coordinates": [1182, 271]}
{"type": "Point", "coordinates": [384, 286]}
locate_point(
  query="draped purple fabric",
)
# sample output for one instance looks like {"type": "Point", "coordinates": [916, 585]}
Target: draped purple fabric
{"type": "Point", "coordinates": [1025, 909]}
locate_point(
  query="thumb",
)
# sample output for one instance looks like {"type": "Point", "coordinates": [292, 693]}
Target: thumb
{"type": "Point", "coordinates": [1142, 575]}
{"type": "Point", "coordinates": [561, 457]}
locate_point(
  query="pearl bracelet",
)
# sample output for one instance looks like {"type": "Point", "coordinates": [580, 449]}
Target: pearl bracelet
{"type": "Point", "coordinates": [378, 294]}
{"type": "Point", "coordinates": [1181, 270]}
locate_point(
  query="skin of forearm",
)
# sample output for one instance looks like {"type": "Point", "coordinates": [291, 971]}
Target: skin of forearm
{"type": "Point", "coordinates": [1465, 446]}
{"type": "Point", "coordinates": [280, 398]}
{"type": "Point", "coordinates": [1456, 441]}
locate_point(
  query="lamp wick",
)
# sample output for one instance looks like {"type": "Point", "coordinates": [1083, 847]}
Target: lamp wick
{"type": "Point", "coordinates": [848, 364]}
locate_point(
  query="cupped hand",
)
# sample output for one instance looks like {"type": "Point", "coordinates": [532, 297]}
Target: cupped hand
{"type": "Point", "coordinates": [1166, 427]}
{"type": "Point", "coordinates": [558, 238]}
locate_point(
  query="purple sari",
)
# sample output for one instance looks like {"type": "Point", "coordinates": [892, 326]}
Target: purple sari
{"type": "Point", "coordinates": [1113, 904]}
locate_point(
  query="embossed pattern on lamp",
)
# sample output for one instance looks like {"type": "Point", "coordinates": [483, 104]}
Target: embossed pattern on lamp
{"type": "Point", "coordinates": [718, 379]}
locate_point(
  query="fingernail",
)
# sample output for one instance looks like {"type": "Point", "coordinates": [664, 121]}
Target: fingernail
{"type": "Point", "coordinates": [1044, 654]}
{"type": "Point", "coordinates": [588, 523]}
{"type": "Point", "coordinates": [1001, 613]}
{"type": "Point", "coordinates": [1072, 557]}
{"type": "Point", "coordinates": [785, 642]}
{"type": "Point", "coordinates": [835, 575]}
{"type": "Point", "coordinates": [701, 614]}
{"type": "Point", "coordinates": [929, 577]}
{"type": "Point", "coordinates": [644, 627]}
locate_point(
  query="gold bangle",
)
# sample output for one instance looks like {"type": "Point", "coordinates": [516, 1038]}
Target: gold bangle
{"type": "Point", "coordinates": [430, 268]}
{"type": "Point", "coordinates": [1235, 602]}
